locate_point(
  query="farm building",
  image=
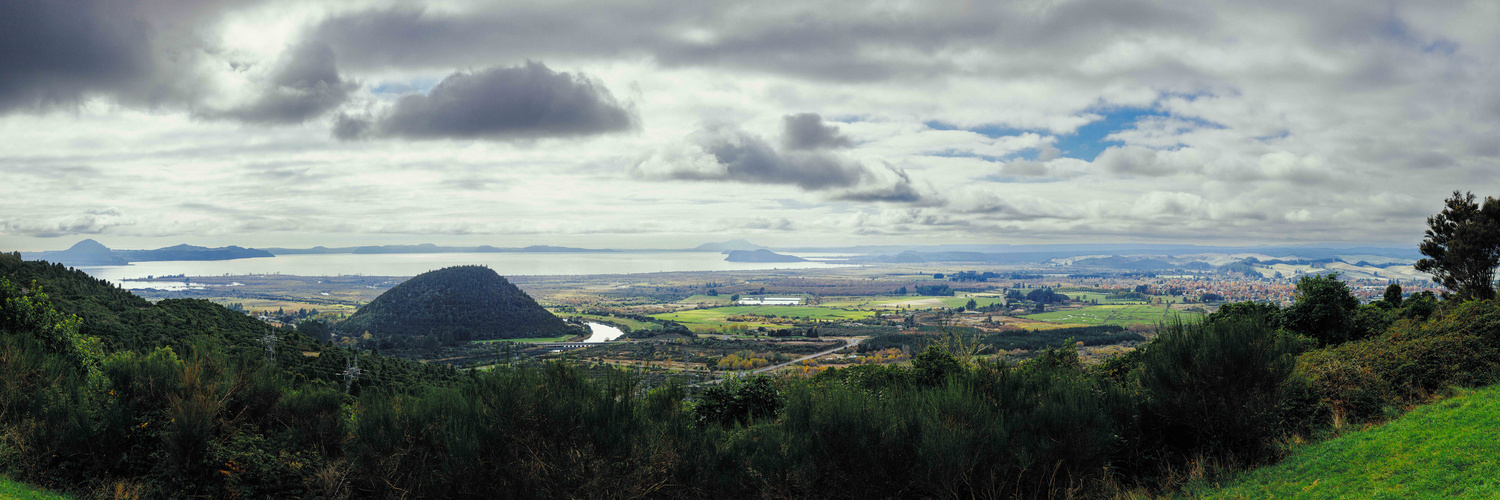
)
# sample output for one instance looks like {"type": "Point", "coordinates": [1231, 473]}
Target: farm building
{"type": "Point", "coordinates": [771, 301]}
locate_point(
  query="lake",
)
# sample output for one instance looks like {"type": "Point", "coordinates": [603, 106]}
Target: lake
{"type": "Point", "coordinates": [507, 264]}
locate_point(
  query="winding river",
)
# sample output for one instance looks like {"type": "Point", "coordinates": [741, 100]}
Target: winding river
{"type": "Point", "coordinates": [603, 332]}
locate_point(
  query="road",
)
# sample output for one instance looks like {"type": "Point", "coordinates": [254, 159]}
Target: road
{"type": "Point", "coordinates": [848, 342]}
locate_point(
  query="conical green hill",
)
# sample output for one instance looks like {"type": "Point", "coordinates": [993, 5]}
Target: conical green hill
{"type": "Point", "coordinates": [454, 304]}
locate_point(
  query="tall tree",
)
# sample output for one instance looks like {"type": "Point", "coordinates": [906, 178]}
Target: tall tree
{"type": "Point", "coordinates": [1393, 295]}
{"type": "Point", "coordinates": [1463, 246]}
{"type": "Point", "coordinates": [1324, 310]}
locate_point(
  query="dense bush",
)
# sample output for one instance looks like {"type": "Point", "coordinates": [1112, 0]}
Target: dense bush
{"type": "Point", "coordinates": [1221, 389]}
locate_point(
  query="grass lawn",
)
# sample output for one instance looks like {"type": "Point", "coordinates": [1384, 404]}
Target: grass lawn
{"type": "Point", "coordinates": [12, 489]}
{"type": "Point", "coordinates": [1123, 315]}
{"type": "Point", "coordinates": [1445, 449]}
{"type": "Point", "coordinates": [719, 314]}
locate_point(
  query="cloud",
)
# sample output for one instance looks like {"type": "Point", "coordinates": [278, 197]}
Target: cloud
{"type": "Point", "coordinates": [90, 222]}
{"type": "Point", "coordinates": [305, 85]}
{"type": "Point", "coordinates": [55, 53]}
{"type": "Point", "coordinates": [725, 153]}
{"type": "Point", "coordinates": [776, 224]}
{"type": "Point", "coordinates": [862, 42]}
{"type": "Point", "coordinates": [897, 188]}
{"type": "Point", "coordinates": [806, 131]}
{"type": "Point", "coordinates": [146, 53]}
{"type": "Point", "coordinates": [729, 154]}
{"type": "Point", "coordinates": [503, 103]}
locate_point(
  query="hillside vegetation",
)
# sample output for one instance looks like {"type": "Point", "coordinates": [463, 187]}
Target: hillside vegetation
{"type": "Point", "coordinates": [101, 392]}
{"type": "Point", "coordinates": [454, 304]}
{"type": "Point", "coordinates": [1443, 450]}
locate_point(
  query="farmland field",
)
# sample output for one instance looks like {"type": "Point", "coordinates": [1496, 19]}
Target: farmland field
{"type": "Point", "coordinates": [706, 299]}
{"type": "Point", "coordinates": [719, 314]}
{"type": "Point", "coordinates": [1123, 315]}
{"type": "Point", "coordinates": [911, 301]}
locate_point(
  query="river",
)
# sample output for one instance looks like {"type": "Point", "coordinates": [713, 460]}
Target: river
{"type": "Point", "coordinates": [603, 333]}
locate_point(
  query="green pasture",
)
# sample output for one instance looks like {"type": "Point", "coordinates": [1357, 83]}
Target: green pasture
{"type": "Point", "coordinates": [12, 489]}
{"type": "Point", "coordinates": [721, 314]}
{"type": "Point", "coordinates": [1123, 315]}
{"type": "Point", "coordinates": [865, 302]}
{"type": "Point", "coordinates": [963, 300]}
{"type": "Point", "coordinates": [706, 299]}
{"type": "Point", "coordinates": [890, 301]}
{"type": "Point", "coordinates": [1445, 449]}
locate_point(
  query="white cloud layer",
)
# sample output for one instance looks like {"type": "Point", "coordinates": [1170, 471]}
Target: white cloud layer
{"type": "Point", "coordinates": [662, 123]}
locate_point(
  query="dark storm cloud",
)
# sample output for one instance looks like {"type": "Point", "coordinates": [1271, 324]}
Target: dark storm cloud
{"type": "Point", "coordinates": [798, 39]}
{"type": "Point", "coordinates": [747, 158]}
{"type": "Point", "coordinates": [54, 53]}
{"type": "Point", "coordinates": [522, 102]}
{"type": "Point", "coordinates": [805, 131]}
{"type": "Point", "coordinates": [304, 86]}
{"type": "Point", "coordinates": [899, 191]}
{"type": "Point", "coordinates": [738, 156]}
{"type": "Point", "coordinates": [58, 53]}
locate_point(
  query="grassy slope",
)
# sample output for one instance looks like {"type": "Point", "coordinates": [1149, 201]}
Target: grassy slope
{"type": "Point", "coordinates": [1447, 449]}
{"type": "Point", "coordinates": [12, 489]}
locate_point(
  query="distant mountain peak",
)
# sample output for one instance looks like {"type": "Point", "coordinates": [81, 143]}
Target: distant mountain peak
{"type": "Point", "coordinates": [734, 244]}
{"type": "Point", "coordinates": [456, 304]}
{"type": "Point", "coordinates": [760, 255]}
{"type": "Point", "coordinates": [88, 245]}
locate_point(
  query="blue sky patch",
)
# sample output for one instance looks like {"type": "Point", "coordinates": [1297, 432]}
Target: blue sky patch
{"type": "Point", "coordinates": [1084, 144]}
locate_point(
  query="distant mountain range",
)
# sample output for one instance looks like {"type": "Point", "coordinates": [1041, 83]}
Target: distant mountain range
{"type": "Point", "coordinates": [428, 248]}
{"type": "Point", "coordinates": [725, 246]}
{"type": "Point", "coordinates": [93, 253]}
{"type": "Point", "coordinates": [761, 255]}
{"type": "Point", "coordinates": [1372, 261]}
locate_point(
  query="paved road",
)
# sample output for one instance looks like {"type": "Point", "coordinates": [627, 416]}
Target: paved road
{"type": "Point", "coordinates": [847, 343]}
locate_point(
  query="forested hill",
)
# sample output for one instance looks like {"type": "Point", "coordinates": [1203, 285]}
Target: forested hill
{"type": "Point", "coordinates": [455, 304]}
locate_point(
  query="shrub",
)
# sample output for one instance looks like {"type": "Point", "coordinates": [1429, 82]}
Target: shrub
{"type": "Point", "coordinates": [1215, 388]}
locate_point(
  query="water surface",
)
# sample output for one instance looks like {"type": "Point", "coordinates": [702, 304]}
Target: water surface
{"type": "Point", "coordinates": [507, 264]}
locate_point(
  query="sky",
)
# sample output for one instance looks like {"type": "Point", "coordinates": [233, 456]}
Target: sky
{"type": "Point", "coordinates": [663, 124]}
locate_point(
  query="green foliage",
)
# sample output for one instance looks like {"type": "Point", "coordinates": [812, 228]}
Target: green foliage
{"type": "Point", "coordinates": [1420, 306]}
{"type": "Point", "coordinates": [738, 401]}
{"type": "Point", "coordinates": [1324, 310]}
{"type": "Point", "coordinates": [1265, 312]}
{"type": "Point", "coordinates": [455, 304]}
{"type": "Point", "coordinates": [1463, 246]}
{"type": "Point", "coordinates": [934, 366]}
{"type": "Point", "coordinates": [1215, 388]}
{"type": "Point", "coordinates": [1392, 296]}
